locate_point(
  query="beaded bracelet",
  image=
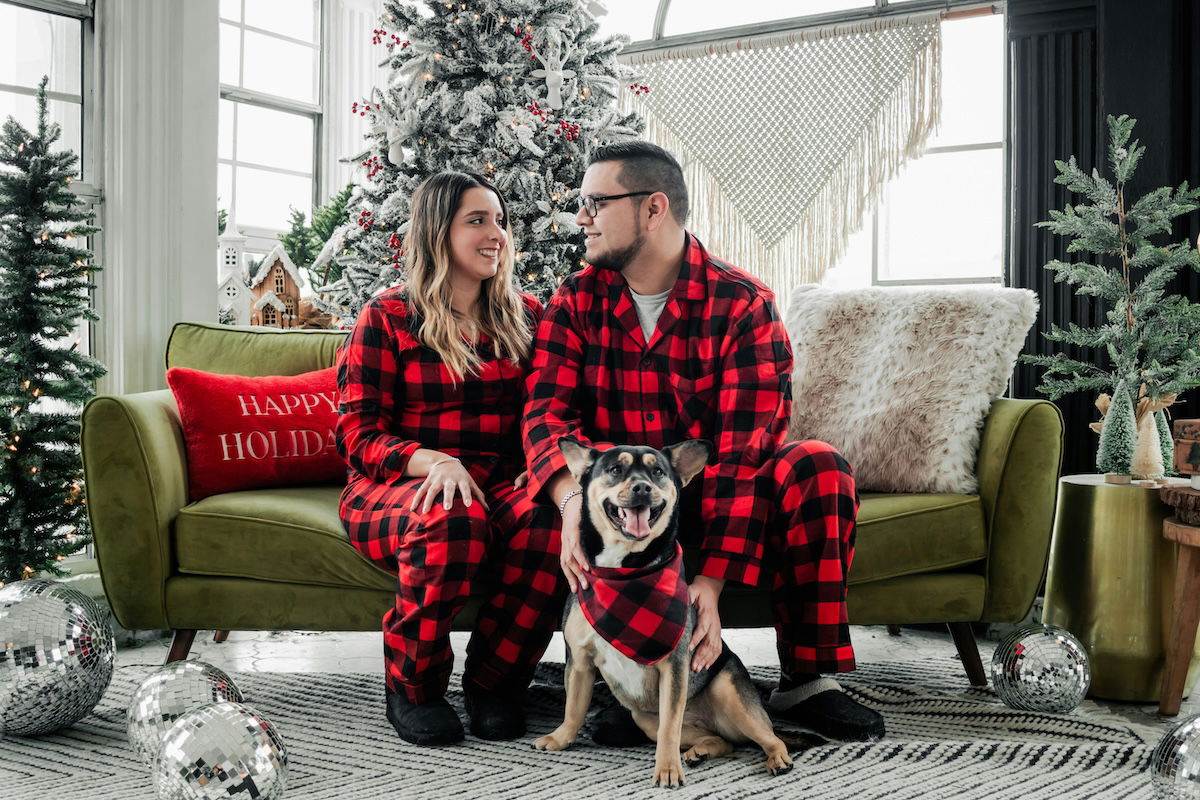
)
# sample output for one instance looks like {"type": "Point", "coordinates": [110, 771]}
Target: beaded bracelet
{"type": "Point", "coordinates": [562, 506]}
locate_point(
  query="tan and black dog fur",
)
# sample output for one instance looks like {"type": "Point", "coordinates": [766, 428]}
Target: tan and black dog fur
{"type": "Point", "coordinates": [704, 713]}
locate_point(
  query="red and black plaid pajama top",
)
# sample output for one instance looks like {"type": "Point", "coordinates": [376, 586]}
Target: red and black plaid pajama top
{"type": "Point", "coordinates": [395, 397]}
{"type": "Point", "coordinates": [718, 366]}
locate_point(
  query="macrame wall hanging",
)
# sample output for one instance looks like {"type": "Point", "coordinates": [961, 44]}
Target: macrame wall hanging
{"type": "Point", "coordinates": [787, 140]}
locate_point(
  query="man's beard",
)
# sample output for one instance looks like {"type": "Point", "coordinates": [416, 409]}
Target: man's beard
{"type": "Point", "coordinates": [616, 260]}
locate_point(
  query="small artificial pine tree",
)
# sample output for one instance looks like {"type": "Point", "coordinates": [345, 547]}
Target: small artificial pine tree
{"type": "Point", "coordinates": [1165, 441]}
{"type": "Point", "coordinates": [1119, 434]}
{"type": "Point", "coordinates": [517, 91]}
{"type": "Point", "coordinates": [44, 378]}
{"type": "Point", "coordinates": [1151, 338]}
{"type": "Point", "coordinates": [303, 243]}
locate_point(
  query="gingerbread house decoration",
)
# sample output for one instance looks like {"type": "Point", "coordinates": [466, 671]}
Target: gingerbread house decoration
{"type": "Point", "coordinates": [275, 291]}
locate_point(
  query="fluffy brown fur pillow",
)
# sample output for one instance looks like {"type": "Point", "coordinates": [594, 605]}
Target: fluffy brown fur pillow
{"type": "Point", "coordinates": [900, 380]}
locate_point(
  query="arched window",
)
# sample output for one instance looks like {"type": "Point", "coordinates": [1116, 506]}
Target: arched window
{"type": "Point", "coordinates": [279, 280]}
{"type": "Point", "coordinates": [268, 315]}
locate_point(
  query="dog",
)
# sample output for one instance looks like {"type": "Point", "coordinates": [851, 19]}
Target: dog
{"type": "Point", "coordinates": [638, 637]}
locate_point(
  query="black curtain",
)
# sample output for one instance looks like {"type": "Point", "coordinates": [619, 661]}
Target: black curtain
{"type": "Point", "coordinates": [1072, 62]}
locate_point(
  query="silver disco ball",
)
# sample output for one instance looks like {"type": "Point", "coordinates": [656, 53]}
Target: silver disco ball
{"type": "Point", "coordinates": [1041, 668]}
{"type": "Point", "coordinates": [1175, 764]}
{"type": "Point", "coordinates": [169, 693]}
{"type": "Point", "coordinates": [222, 750]}
{"type": "Point", "coordinates": [56, 659]}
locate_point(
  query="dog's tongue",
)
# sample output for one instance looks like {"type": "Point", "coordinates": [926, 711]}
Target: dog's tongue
{"type": "Point", "coordinates": [637, 521]}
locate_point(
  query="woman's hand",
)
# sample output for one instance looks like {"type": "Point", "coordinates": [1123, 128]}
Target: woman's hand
{"type": "Point", "coordinates": [446, 477]}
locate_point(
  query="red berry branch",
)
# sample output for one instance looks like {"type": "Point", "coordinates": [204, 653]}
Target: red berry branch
{"type": "Point", "coordinates": [372, 166]}
{"type": "Point", "coordinates": [397, 246]}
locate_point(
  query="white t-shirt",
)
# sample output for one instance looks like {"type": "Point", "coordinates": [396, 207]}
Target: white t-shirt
{"type": "Point", "coordinates": [649, 309]}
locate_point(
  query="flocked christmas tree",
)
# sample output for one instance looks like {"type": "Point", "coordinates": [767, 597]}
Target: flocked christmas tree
{"type": "Point", "coordinates": [44, 378]}
{"type": "Point", "coordinates": [516, 90]}
{"type": "Point", "coordinates": [1151, 338]}
{"type": "Point", "coordinates": [1118, 434]}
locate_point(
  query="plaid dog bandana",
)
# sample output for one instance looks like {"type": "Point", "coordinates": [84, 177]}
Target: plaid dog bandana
{"type": "Point", "coordinates": [641, 611]}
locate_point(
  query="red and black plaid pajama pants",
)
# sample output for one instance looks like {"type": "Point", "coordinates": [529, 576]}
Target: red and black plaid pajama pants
{"type": "Point", "coordinates": [809, 545]}
{"type": "Point", "coordinates": [438, 558]}
{"type": "Point", "coordinates": [811, 539]}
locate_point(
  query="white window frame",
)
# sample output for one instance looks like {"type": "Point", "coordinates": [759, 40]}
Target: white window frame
{"type": "Point", "coordinates": [260, 240]}
{"type": "Point", "coordinates": [958, 281]}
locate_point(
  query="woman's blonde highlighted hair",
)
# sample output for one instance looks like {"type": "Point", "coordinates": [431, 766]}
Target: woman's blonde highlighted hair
{"type": "Point", "coordinates": [427, 248]}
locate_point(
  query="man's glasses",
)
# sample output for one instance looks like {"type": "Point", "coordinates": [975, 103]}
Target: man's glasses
{"type": "Point", "coordinates": [587, 203]}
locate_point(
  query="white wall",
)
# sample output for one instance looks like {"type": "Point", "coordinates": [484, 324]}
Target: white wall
{"type": "Point", "coordinates": [158, 134]}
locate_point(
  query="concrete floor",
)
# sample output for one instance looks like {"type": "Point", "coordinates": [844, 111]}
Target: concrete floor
{"type": "Point", "coordinates": [305, 651]}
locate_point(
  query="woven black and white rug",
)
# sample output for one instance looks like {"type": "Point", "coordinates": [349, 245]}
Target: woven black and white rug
{"type": "Point", "coordinates": [944, 740]}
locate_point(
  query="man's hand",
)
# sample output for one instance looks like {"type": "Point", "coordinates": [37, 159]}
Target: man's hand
{"type": "Point", "coordinates": [571, 559]}
{"type": "Point", "coordinates": [706, 638]}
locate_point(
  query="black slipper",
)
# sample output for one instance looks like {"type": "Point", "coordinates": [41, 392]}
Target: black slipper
{"type": "Point", "coordinates": [614, 727]}
{"type": "Point", "coordinates": [495, 717]}
{"type": "Point", "coordinates": [429, 723]}
{"type": "Point", "coordinates": [821, 706]}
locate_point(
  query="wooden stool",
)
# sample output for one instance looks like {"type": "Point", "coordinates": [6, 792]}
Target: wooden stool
{"type": "Point", "coordinates": [1185, 614]}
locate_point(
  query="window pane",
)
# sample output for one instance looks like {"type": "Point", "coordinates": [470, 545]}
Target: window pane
{"type": "Point", "coordinates": [285, 17]}
{"type": "Point", "coordinates": [927, 230]}
{"type": "Point", "coordinates": [35, 43]}
{"type": "Point", "coordinates": [853, 269]}
{"type": "Point", "coordinates": [225, 130]}
{"type": "Point", "coordinates": [230, 53]}
{"type": "Point", "coordinates": [706, 15]}
{"type": "Point", "coordinates": [274, 138]}
{"type": "Point", "coordinates": [23, 108]}
{"type": "Point", "coordinates": [232, 10]}
{"type": "Point", "coordinates": [972, 81]}
{"type": "Point", "coordinates": [280, 68]}
{"type": "Point", "coordinates": [634, 18]}
{"type": "Point", "coordinates": [263, 197]}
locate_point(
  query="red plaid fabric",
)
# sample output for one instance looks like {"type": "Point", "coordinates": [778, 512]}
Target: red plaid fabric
{"type": "Point", "coordinates": [397, 396]}
{"type": "Point", "coordinates": [718, 366]}
{"type": "Point", "coordinates": [642, 612]}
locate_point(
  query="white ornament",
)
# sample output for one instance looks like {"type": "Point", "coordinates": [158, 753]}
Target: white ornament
{"type": "Point", "coordinates": [556, 55]}
{"type": "Point", "coordinates": [397, 133]}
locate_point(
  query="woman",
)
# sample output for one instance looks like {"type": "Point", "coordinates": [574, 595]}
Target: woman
{"type": "Point", "coordinates": [430, 385]}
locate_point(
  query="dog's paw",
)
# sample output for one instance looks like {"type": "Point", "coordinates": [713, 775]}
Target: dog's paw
{"type": "Point", "coordinates": [692, 758]}
{"type": "Point", "coordinates": [779, 763]}
{"type": "Point", "coordinates": [554, 741]}
{"type": "Point", "coordinates": [669, 775]}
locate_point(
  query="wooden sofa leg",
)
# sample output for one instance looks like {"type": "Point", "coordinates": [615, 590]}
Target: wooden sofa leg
{"type": "Point", "coordinates": [968, 651]}
{"type": "Point", "coordinates": [220, 636]}
{"type": "Point", "coordinates": [180, 645]}
{"type": "Point", "coordinates": [893, 630]}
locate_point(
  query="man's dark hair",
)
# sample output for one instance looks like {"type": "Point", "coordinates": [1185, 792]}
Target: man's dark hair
{"type": "Point", "coordinates": [647, 167]}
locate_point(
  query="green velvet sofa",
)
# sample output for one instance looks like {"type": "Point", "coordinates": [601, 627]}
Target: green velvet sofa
{"type": "Point", "coordinates": [278, 559]}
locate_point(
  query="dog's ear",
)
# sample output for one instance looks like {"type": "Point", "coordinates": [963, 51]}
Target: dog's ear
{"type": "Point", "coordinates": [689, 457]}
{"type": "Point", "coordinates": [579, 456]}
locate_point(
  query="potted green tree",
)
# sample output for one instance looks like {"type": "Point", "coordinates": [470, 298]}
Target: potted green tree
{"type": "Point", "coordinates": [1151, 338]}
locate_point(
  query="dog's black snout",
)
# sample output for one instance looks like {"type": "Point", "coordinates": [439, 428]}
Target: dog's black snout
{"type": "Point", "coordinates": [641, 489]}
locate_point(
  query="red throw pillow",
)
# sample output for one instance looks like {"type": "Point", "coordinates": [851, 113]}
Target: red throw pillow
{"type": "Point", "coordinates": [247, 433]}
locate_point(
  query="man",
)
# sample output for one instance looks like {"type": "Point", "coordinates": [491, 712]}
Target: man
{"type": "Point", "coordinates": [657, 342]}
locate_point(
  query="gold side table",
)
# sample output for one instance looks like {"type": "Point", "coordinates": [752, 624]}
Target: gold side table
{"type": "Point", "coordinates": [1111, 583]}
